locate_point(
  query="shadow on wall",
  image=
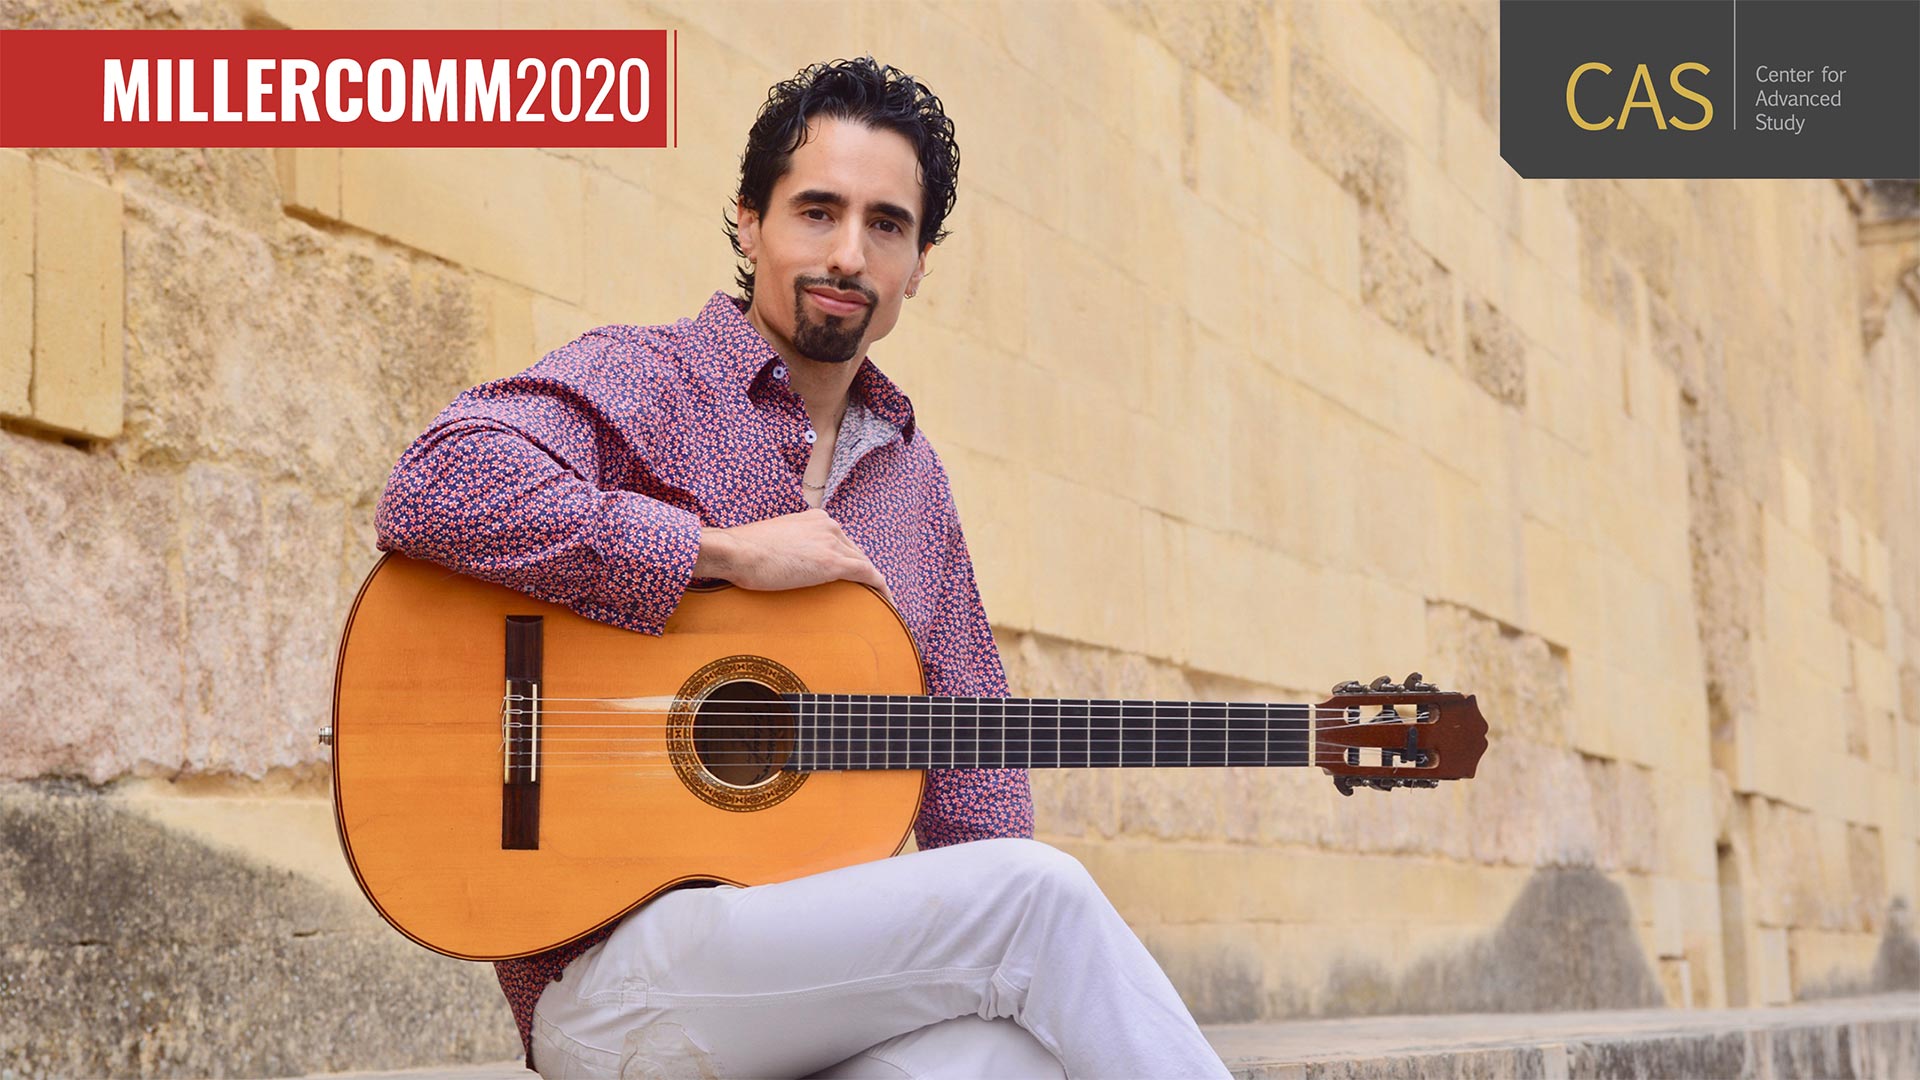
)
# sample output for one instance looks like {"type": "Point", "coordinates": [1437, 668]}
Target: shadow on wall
{"type": "Point", "coordinates": [130, 950]}
{"type": "Point", "coordinates": [1896, 964]}
{"type": "Point", "coordinates": [1568, 942]}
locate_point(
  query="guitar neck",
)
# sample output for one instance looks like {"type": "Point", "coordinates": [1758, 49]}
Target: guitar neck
{"type": "Point", "coordinates": [863, 731]}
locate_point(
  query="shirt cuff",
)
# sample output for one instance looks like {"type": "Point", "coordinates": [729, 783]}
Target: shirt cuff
{"type": "Point", "coordinates": [647, 549]}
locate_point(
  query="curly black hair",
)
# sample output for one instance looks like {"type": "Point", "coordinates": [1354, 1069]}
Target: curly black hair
{"type": "Point", "coordinates": [863, 91]}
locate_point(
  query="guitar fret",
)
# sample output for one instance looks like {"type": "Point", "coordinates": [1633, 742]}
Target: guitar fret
{"type": "Point", "coordinates": [1103, 734]}
{"type": "Point", "coordinates": [990, 720]}
{"type": "Point", "coordinates": [837, 732]}
{"type": "Point", "coordinates": [1016, 746]}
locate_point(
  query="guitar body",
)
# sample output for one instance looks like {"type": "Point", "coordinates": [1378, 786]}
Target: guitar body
{"type": "Point", "coordinates": [622, 810]}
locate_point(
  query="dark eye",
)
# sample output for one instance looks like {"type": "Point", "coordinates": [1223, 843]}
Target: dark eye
{"type": "Point", "coordinates": [892, 225]}
{"type": "Point", "coordinates": [812, 210]}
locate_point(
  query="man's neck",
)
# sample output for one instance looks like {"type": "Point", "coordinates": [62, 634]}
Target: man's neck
{"type": "Point", "coordinates": [823, 387]}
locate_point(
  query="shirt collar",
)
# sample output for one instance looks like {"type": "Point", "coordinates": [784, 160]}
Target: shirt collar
{"type": "Point", "coordinates": [748, 354]}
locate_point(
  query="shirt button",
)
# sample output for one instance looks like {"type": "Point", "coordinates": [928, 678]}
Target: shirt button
{"type": "Point", "coordinates": [811, 436]}
{"type": "Point", "coordinates": [780, 370]}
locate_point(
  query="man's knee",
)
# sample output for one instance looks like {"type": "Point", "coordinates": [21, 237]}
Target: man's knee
{"type": "Point", "coordinates": [1039, 865]}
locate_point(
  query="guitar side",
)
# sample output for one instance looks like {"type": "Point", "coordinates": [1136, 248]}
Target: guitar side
{"type": "Point", "coordinates": [419, 752]}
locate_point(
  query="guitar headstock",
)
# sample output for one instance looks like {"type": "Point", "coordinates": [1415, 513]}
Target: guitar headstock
{"type": "Point", "coordinates": [1389, 735]}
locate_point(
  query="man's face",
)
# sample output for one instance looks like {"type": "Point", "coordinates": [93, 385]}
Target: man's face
{"type": "Point", "coordinates": [835, 250]}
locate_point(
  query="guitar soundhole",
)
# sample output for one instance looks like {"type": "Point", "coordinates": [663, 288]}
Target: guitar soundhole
{"type": "Point", "coordinates": [731, 736]}
{"type": "Point", "coordinates": [743, 734]}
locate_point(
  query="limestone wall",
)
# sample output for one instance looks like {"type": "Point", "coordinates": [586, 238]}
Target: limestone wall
{"type": "Point", "coordinates": [1256, 370]}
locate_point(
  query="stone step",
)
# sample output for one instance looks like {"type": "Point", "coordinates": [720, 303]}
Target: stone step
{"type": "Point", "coordinates": [1859, 1038]}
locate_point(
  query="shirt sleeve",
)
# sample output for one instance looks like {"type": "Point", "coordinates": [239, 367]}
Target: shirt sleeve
{"type": "Point", "coordinates": [961, 659]}
{"type": "Point", "coordinates": [527, 482]}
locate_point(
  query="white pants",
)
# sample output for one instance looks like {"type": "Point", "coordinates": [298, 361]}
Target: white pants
{"type": "Point", "coordinates": [999, 958]}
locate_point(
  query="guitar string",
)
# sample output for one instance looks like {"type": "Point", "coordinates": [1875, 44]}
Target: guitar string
{"type": "Point", "coordinates": [909, 700]}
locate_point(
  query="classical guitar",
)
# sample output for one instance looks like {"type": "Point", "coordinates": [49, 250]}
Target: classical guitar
{"type": "Point", "coordinates": [508, 776]}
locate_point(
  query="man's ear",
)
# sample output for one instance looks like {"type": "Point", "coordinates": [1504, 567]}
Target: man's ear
{"type": "Point", "coordinates": [747, 227]}
{"type": "Point", "coordinates": [919, 271]}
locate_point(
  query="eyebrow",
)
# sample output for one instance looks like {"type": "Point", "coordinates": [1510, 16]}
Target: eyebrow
{"type": "Point", "coordinates": [839, 201]}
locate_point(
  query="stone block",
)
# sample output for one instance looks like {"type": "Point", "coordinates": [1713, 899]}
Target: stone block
{"type": "Point", "coordinates": [990, 493]}
{"type": "Point", "coordinates": [1074, 803]}
{"type": "Point", "coordinates": [515, 213]}
{"type": "Point", "coordinates": [1458, 42]}
{"type": "Point", "coordinates": [1155, 92]}
{"type": "Point", "coordinates": [1240, 630]}
{"type": "Point", "coordinates": [79, 300]}
{"type": "Point", "coordinates": [351, 15]}
{"type": "Point", "coordinates": [1216, 263]}
{"type": "Point", "coordinates": [556, 322]}
{"type": "Point", "coordinates": [1019, 165]}
{"type": "Point", "coordinates": [309, 179]}
{"type": "Point", "coordinates": [1082, 53]}
{"type": "Point", "coordinates": [1222, 159]}
{"type": "Point", "coordinates": [1232, 45]}
{"type": "Point", "coordinates": [1308, 217]}
{"type": "Point", "coordinates": [1669, 924]}
{"type": "Point", "coordinates": [1875, 679]}
{"type": "Point", "coordinates": [71, 616]}
{"type": "Point", "coordinates": [1848, 553]}
{"type": "Point", "coordinates": [1096, 543]}
{"type": "Point", "coordinates": [1878, 565]}
{"type": "Point", "coordinates": [1386, 542]}
{"type": "Point", "coordinates": [391, 338]}
{"type": "Point", "coordinates": [1470, 153]}
{"type": "Point", "coordinates": [1406, 287]}
{"type": "Point", "coordinates": [170, 954]}
{"type": "Point", "coordinates": [508, 347]}
{"type": "Point", "coordinates": [1172, 804]}
{"type": "Point", "coordinates": [1475, 547]}
{"type": "Point", "coordinates": [1189, 395]}
{"type": "Point", "coordinates": [1458, 233]}
{"type": "Point", "coordinates": [977, 280]}
{"type": "Point", "coordinates": [1796, 497]}
{"type": "Point", "coordinates": [1560, 389]}
{"type": "Point", "coordinates": [16, 283]}
{"type": "Point", "coordinates": [1336, 129]}
{"type": "Point", "coordinates": [1495, 353]}
{"type": "Point", "coordinates": [1561, 583]}
{"type": "Point", "coordinates": [1549, 230]}
{"type": "Point", "coordinates": [1774, 985]}
{"type": "Point", "coordinates": [1857, 610]}
{"type": "Point", "coordinates": [628, 257]}
{"type": "Point", "coordinates": [1169, 606]}
{"type": "Point", "coordinates": [1086, 321]}
{"type": "Point", "coordinates": [1792, 560]}
{"type": "Point", "coordinates": [1364, 52]}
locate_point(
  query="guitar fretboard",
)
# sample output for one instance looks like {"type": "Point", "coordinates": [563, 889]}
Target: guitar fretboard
{"type": "Point", "coordinates": [863, 731]}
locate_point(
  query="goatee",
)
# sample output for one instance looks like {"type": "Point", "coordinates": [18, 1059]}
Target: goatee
{"type": "Point", "coordinates": [832, 339]}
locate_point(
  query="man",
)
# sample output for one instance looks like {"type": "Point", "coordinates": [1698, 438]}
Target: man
{"type": "Point", "coordinates": [758, 443]}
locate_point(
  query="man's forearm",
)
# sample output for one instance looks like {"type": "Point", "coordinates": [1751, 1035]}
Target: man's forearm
{"type": "Point", "coordinates": [484, 500]}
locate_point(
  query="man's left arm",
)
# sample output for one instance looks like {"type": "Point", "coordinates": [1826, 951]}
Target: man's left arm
{"type": "Point", "coordinates": [962, 660]}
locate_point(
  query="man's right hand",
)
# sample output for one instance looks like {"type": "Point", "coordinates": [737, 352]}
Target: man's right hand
{"type": "Point", "coordinates": [791, 551]}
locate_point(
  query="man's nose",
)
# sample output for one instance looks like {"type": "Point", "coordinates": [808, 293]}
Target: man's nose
{"type": "Point", "coordinates": [849, 255]}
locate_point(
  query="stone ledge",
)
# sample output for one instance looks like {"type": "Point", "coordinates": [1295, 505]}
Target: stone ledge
{"type": "Point", "coordinates": [1853, 1038]}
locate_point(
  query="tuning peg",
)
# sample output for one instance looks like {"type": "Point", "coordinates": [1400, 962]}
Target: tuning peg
{"type": "Point", "coordinates": [1351, 686]}
{"type": "Point", "coordinates": [1383, 685]}
{"type": "Point", "coordinates": [1415, 686]}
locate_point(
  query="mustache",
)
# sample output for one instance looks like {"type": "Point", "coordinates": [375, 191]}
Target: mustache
{"type": "Point", "coordinates": [801, 284]}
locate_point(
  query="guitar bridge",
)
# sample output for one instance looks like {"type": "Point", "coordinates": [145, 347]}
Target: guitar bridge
{"type": "Point", "coordinates": [520, 746]}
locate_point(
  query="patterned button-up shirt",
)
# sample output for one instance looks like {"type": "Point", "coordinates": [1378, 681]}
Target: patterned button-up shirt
{"type": "Point", "coordinates": [585, 480]}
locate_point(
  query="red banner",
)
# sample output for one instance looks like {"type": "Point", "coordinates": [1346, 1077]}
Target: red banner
{"type": "Point", "coordinates": [336, 88]}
